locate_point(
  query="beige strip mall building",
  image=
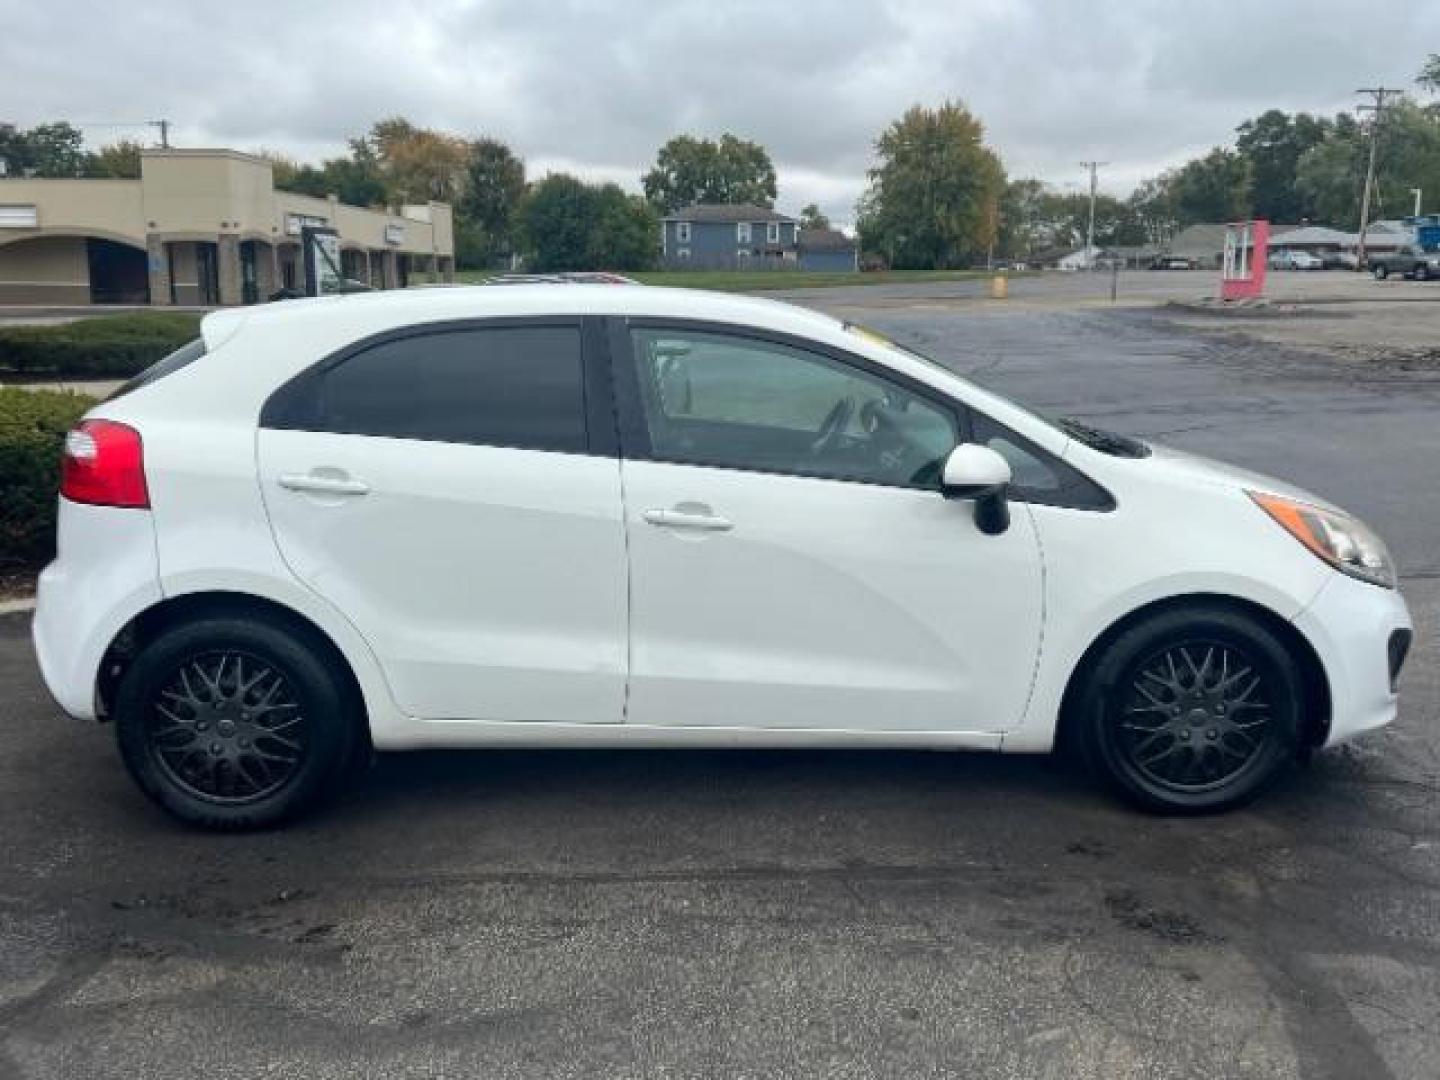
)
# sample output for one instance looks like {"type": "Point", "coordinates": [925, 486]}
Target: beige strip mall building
{"type": "Point", "coordinates": [200, 227]}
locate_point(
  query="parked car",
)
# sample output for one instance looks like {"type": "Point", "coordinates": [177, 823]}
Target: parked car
{"type": "Point", "coordinates": [1294, 260]}
{"type": "Point", "coordinates": [591, 516]}
{"type": "Point", "coordinates": [1407, 261]}
{"type": "Point", "coordinates": [1172, 262]}
{"type": "Point", "coordinates": [1340, 260]}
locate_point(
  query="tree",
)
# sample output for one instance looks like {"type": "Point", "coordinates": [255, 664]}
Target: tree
{"type": "Point", "coordinates": [1273, 143]}
{"type": "Point", "coordinates": [485, 214]}
{"type": "Point", "coordinates": [359, 179]}
{"type": "Point", "coordinates": [419, 164]}
{"type": "Point", "coordinates": [1332, 173]}
{"type": "Point", "coordinates": [47, 150]}
{"type": "Point", "coordinates": [690, 170]}
{"type": "Point", "coordinates": [625, 231]}
{"type": "Point", "coordinates": [933, 200]}
{"type": "Point", "coordinates": [121, 159]}
{"type": "Point", "coordinates": [566, 224]}
{"type": "Point", "coordinates": [1215, 187]}
{"type": "Point", "coordinates": [811, 217]}
{"type": "Point", "coordinates": [1152, 208]}
{"type": "Point", "coordinates": [1429, 77]}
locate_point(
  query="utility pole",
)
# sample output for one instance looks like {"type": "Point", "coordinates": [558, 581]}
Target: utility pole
{"type": "Point", "coordinates": [1379, 93]}
{"type": "Point", "coordinates": [1417, 192]}
{"type": "Point", "coordinates": [164, 126]}
{"type": "Point", "coordinates": [1090, 228]}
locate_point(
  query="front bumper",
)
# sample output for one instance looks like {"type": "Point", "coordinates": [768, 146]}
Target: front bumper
{"type": "Point", "coordinates": [1354, 628]}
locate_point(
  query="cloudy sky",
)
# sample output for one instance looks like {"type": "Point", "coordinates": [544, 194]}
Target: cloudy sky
{"type": "Point", "coordinates": [595, 86]}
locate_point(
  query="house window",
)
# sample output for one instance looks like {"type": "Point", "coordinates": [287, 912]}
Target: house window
{"type": "Point", "coordinates": [682, 232]}
{"type": "Point", "coordinates": [742, 232]}
{"type": "Point", "coordinates": [741, 254]}
{"type": "Point", "coordinates": [772, 232]}
{"type": "Point", "coordinates": [683, 254]}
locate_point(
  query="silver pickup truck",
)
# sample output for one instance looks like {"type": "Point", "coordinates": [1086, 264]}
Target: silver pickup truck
{"type": "Point", "coordinates": [1408, 261]}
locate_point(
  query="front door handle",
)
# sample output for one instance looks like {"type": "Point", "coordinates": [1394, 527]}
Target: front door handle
{"type": "Point", "coordinates": [689, 519]}
{"type": "Point", "coordinates": [321, 484]}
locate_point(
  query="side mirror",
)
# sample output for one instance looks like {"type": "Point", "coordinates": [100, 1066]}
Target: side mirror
{"type": "Point", "coordinates": [979, 474]}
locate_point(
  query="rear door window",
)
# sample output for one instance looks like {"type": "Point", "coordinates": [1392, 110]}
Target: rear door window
{"type": "Point", "coordinates": [517, 386]}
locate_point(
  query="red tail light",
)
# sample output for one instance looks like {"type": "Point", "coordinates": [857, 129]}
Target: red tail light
{"type": "Point", "coordinates": [104, 465]}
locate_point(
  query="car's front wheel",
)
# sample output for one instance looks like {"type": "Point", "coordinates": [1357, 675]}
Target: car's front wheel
{"type": "Point", "coordinates": [1380, 271]}
{"type": "Point", "coordinates": [233, 723]}
{"type": "Point", "coordinates": [1422, 272]}
{"type": "Point", "coordinates": [1195, 710]}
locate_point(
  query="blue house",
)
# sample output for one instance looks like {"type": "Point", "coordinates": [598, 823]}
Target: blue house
{"type": "Point", "coordinates": [828, 250]}
{"type": "Point", "coordinates": [726, 237]}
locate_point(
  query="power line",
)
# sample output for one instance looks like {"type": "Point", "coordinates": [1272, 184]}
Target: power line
{"type": "Point", "coordinates": [1379, 93]}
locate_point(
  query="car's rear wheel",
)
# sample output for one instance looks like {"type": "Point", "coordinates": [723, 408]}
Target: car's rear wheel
{"type": "Point", "coordinates": [1422, 272]}
{"type": "Point", "coordinates": [1193, 711]}
{"type": "Point", "coordinates": [1380, 271]}
{"type": "Point", "coordinates": [233, 723]}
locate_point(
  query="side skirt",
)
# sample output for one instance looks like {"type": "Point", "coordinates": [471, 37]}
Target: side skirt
{"type": "Point", "coordinates": [422, 734]}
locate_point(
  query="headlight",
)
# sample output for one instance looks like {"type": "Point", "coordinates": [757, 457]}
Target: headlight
{"type": "Point", "coordinates": [1339, 539]}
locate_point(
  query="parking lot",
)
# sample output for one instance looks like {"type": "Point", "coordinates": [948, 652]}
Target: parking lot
{"type": "Point", "coordinates": [803, 914]}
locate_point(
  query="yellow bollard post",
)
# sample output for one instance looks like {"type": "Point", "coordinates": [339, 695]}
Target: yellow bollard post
{"type": "Point", "coordinates": [999, 287]}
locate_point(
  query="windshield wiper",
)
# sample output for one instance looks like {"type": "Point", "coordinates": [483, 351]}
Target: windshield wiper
{"type": "Point", "coordinates": [1107, 442]}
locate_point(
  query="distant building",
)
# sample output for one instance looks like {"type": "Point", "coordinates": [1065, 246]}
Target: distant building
{"type": "Point", "coordinates": [202, 227]}
{"type": "Point", "coordinates": [729, 237]}
{"type": "Point", "coordinates": [828, 250]}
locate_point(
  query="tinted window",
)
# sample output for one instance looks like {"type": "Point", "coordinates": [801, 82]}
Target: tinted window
{"type": "Point", "coordinates": [735, 402]}
{"type": "Point", "coordinates": [506, 386]}
{"type": "Point", "coordinates": [1038, 476]}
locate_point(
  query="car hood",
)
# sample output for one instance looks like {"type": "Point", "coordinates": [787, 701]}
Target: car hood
{"type": "Point", "coordinates": [1205, 470]}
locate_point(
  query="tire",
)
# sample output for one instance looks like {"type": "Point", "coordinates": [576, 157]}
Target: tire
{"type": "Point", "coordinates": [1422, 272]}
{"type": "Point", "coordinates": [232, 723]}
{"type": "Point", "coordinates": [1195, 710]}
{"type": "Point", "coordinates": [1380, 271]}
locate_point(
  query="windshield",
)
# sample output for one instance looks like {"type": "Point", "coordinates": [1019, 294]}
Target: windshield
{"type": "Point", "coordinates": [1107, 442]}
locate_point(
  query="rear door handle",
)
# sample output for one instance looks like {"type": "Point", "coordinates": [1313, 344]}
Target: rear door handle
{"type": "Point", "coordinates": [688, 519]}
{"type": "Point", "coordinates": [319, 484]}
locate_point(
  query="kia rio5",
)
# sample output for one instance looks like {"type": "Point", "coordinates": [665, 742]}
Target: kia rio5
{"type": "Point", "coordinates": [629, 517]}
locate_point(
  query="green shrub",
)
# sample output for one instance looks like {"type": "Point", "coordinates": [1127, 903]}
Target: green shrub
{"type": "Point", "coordinates": [32, 432]}
{"type": "Point", "coordinates": [115, 346]}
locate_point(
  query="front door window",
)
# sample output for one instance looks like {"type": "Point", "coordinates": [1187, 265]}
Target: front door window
{"type": "Point", "coordinates": [744, 403]}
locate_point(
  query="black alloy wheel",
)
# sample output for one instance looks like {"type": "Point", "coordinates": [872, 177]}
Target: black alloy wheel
{"type": "Point", "coordinates": [1194, 725]}
{"type": "Point", "coordinates": [1194, 710]}
{"type": "Point", "coordinates": [236, 721]}
{"type": "Point", "coordinates": [227, 726]}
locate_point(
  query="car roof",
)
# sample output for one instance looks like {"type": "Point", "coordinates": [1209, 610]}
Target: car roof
{"type": "Point", "coordinates": [369, 313]}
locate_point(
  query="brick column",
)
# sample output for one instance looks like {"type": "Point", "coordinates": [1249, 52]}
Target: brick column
{"type": "Point", "coordinates": [158, 260]}
{"type": "Point", "coordinates": [447, 269]}
{"type": "Point", "coordinates": [390, 268]}
{"type": "Point", "coordinates": [227, 257]}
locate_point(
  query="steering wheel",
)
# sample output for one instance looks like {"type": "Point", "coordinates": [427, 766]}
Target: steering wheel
{"type": "Point", "coordinates": [833, 425]}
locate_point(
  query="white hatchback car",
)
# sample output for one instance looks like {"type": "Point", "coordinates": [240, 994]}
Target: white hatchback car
{"type": "Point", "coordinates": [595, 516]}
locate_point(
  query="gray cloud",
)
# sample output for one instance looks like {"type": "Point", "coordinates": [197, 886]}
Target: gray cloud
{"type": "Point", "coordinates": [595, 86]}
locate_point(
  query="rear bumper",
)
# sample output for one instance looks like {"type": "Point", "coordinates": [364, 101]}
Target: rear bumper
{"type": "Point", "coordinates": [106, 571]}
{"type": "Point", "coordinates": [1355, 629]}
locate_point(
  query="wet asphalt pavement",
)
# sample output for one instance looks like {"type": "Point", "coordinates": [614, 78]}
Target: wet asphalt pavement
{"type": "Point", "coordinates": [776, 914]}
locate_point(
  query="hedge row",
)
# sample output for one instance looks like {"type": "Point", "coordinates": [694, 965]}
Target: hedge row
{"type": "Point", "coordinates": [115, 346]}
{"type": "Point", "coordinates": [32, 433]}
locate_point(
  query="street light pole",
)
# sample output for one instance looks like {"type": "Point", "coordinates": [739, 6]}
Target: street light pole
{"type": "Point", "coordinates": [1416, 192]}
